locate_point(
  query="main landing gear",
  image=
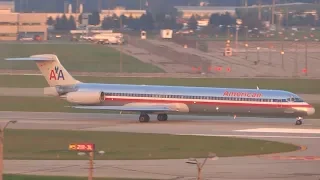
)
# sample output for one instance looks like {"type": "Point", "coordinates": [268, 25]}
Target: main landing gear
{"type": "Point", "coordinates": [299, 121]}
{"type": "Point", "coordinates": [146, 118]}
{"type": "Point", "coordinates": [162, 117]}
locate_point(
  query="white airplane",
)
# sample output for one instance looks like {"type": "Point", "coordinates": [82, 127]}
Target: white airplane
{"type": "Point", "coordinates": [163, 100]}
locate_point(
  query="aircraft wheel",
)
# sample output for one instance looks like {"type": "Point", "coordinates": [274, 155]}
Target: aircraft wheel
{"type": "Point", "coordinates": [162, 117]}
{"type": "Point", "coordinates": [298, 122]}
{"type": "Point", "coordinates": [144, 118]}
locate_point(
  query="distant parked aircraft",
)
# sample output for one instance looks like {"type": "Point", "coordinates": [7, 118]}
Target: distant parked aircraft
{"type": "Point", "coordinates": [163, 100]}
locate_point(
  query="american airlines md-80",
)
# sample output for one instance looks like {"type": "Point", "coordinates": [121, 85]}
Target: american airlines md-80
{"type": "Point", "coordinates": [163, 100]}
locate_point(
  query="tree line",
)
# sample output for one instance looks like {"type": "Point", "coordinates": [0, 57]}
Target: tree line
{"type": "Point", "coordinates": [63, 23]}
{"type": "Point", "coordinates": [168, 20]}
{"type": "Point", "coordinates": [146, 22]}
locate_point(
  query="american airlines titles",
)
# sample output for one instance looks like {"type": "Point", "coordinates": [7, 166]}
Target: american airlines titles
{"type": "Point", "coordinates": [242, 94]}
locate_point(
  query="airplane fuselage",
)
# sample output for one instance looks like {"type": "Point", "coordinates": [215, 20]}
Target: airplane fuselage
{"type": "Point", "coordinates": [205, 100]}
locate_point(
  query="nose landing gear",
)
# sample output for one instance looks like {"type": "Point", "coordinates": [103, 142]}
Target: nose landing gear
{"type": "Point", "coordinates": [299, 120]}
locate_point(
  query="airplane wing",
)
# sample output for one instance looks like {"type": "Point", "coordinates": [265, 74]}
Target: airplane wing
{"type": "Point", "coordinates": [140, 108]}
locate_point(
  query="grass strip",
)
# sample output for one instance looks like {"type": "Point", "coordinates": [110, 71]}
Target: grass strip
{"type": "Point", "coordinates": [53, 145]}
{"type": "Point", "coordinates": [74, 57]}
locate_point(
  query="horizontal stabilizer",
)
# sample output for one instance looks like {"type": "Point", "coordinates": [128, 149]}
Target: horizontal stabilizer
{"type": "Point", "coordinates": [129, 108]}
{"type": "Point", "coordinates": [31, 59]}
{"type": "Point", "coordinates": [51, 68]}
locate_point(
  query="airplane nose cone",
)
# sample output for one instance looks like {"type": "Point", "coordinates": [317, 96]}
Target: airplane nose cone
{"type": "Point", "coordinates": [310, 111]}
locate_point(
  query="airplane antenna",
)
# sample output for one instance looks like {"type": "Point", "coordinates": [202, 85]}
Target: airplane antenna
{"type": "Point", "coordinates": [257, 88]}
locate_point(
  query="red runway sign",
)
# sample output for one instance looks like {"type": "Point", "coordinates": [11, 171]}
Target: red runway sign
{"type": "Point", "coordinates": [87, 147]}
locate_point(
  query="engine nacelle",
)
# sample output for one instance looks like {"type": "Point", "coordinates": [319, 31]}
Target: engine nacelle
{"type": "Point", "coordinates": [85, 98]}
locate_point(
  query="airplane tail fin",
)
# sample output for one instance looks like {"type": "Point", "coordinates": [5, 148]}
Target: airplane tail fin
{"type": "Point", "coordinates": [51, 69]}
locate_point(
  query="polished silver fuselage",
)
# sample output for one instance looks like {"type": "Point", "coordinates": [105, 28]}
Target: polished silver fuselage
{"type": "Point", "coordinates": [205, 100]}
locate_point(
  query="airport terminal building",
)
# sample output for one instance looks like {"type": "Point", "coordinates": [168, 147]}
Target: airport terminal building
{"type": "Point", "coordinates": [16, 25]}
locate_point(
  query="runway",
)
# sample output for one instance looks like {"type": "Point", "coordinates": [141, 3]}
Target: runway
{"type": "Point", "coordinates": [268, 167]}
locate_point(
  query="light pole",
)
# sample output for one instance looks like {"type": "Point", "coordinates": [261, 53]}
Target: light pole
{"type": "Point", "coordinates": [239, 22]}
{"type": "Point", "coordinates": [121, 40]}
{"type": "Point", "coordinates": [121, 45]}
{"type": "Point", "coordinates": [91, 157]}
{"type": "Point", "coordinates": [272, 13]}
{"type": "Point", "coordinates": [200, 165]}
{"type": "Point", "coordinates": [270, 54]}
{"type": "Point", "coordinates": [228, 32]}
{"type": "Point", "coordinates": [282, 54]}
{"type": "Point", "coordinates": [296, 60]}
{"type": "Point", "coordinates": [86, 149]}
{"type": "Point", "coordinates": [246, 45]}
{"type": "Point", "coordinates": [258, 54]}
{"type": "Point", "coordinates": [306, 54]}
{"type": "Point", "coordinates": [1, 147]}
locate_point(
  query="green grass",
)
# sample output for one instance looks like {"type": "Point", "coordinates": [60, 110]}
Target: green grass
{"type": "Point", "coordinates": [50, 104]}
{"type": "Point", "coordinates": [39, 104]}
{"type": "Point", "coordinates": [74, 57]}
{"type": "Point", "coordinates": [307, 86]}
{"type": "Point", "coordinates": [35, 177]}
{"type": "Point", "coordinates": [53, 144]}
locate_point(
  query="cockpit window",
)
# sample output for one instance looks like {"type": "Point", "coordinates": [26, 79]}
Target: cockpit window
{"type": "Point", "coordinates": [298, 100]}
{"type": "Point", "coordinates": [294, 99]}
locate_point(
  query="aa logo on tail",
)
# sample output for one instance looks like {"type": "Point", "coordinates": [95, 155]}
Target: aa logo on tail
{"type": "Point", "coordinates": [56, 74]}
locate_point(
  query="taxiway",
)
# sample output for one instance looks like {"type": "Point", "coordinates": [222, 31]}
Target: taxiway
{"type": "Point", "coordinates": [278, 166]}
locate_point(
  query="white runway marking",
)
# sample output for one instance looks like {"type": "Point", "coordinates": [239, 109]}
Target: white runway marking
{"type": "Point", "coordinates": [281, 130]}
{"type": "Point", "coordinates": [253, 136]}
{"type": "Point", "coordinates": [32, 74]}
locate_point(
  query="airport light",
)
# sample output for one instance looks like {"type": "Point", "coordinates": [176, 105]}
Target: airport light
{"type": "Point", "coordinates": [1, 147]}
{"type": "Point", "coordinates": [200, 165]}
